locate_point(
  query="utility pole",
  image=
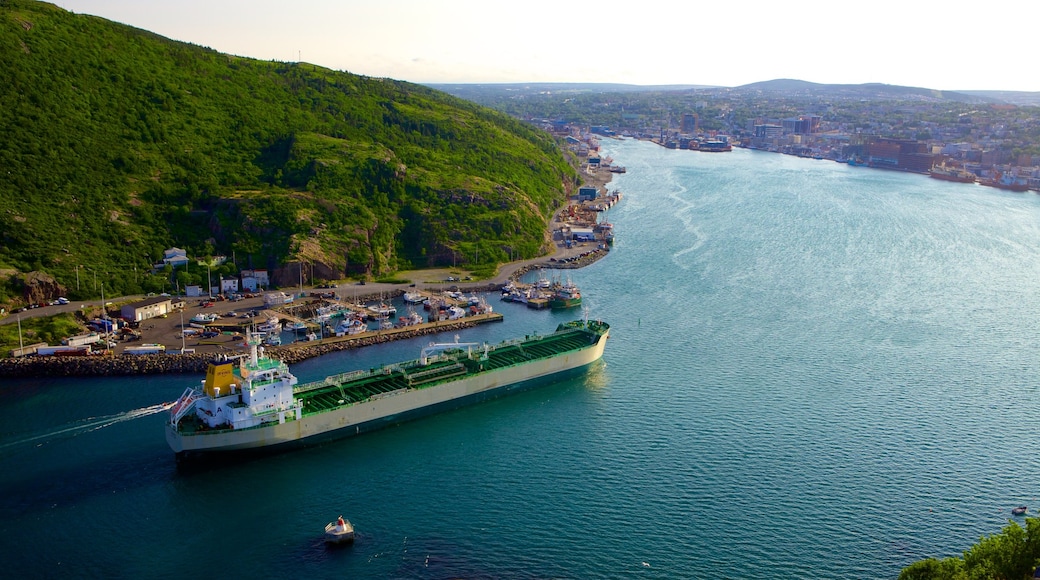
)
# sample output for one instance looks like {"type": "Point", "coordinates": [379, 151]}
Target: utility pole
{"type": "Point", "coordinates": [20, 345]}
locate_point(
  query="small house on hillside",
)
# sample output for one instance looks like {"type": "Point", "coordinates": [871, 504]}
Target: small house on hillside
{"type": "Point", "coordinates": [254, 280]}
{"type": "Point", "coordinates": [175, 257]}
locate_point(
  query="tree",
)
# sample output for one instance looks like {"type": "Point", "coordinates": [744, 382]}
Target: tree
{"type": "Point", "coordinates": [1012, 554]}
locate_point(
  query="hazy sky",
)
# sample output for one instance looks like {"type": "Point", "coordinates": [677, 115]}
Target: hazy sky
{"type": "Point", "coordinates": [946, 45]}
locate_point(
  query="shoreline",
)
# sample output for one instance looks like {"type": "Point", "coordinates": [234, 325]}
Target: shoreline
{"type": "Point", "coordinates": [131, 364]}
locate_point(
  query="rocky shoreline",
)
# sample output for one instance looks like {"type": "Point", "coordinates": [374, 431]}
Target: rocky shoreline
{"type": "Point", "coordinates": [150, 364]}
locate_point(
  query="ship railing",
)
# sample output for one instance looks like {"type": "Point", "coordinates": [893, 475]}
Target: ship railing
{"type": "Point", "coordinates": [184, 404]}
{"type": "Point", "coordinates": [332, 381]}
{"type": "Point", "coordinates": [378, 396]}
{"type": "Point", "coordinates": [435, 374]}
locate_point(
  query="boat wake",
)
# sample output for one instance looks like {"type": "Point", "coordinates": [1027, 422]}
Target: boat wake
{"type": "Point", "coordinates": [84, 426]}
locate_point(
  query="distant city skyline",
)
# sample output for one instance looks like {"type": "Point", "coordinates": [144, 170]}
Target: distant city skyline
{"type": "Point", "coordinates": [923, 44]}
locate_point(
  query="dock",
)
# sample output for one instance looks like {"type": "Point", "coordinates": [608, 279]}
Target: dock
{"type": "Point", "coordinates": [393, 333]}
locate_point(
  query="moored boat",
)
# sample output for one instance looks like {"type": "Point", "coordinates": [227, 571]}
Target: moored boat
{"type": "Point", "coordinates": [414, 297]}
{"type": "Point", "coordinates": [1006, 181]}
{"type": "Point", "coordinates": [957, 174]}
{"type": "Point", "coordinates": [257, 402]}
{"type": "Point", "coordinates": [565, 296]}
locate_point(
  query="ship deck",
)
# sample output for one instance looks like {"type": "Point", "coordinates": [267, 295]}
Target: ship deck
{"type": "Point", "coordinates": [360, 386]}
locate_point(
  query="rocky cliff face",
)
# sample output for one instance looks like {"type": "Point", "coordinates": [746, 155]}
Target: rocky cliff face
{"type": "Point", "coordinates": [291, 274]}
{"type": "Point", "coordinates": [39, 287]}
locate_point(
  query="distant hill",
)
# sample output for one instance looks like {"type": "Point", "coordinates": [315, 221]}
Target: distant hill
{"type": "Point", "coordinates": [475, 91]}
{"type": "Point", "coordinates": [863, 91]}
{"type": "Point", "coordinates": [1020, 98]}
{"type": "Point", "coordinates": [493, 93]}
{"type": "Point", "coordinates": [119, 143]}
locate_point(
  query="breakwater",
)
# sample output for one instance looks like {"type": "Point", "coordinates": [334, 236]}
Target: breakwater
{"type": "Point", "coordinates": [150, 364]}
{"type": "Point", "coordinates": [579, 261]}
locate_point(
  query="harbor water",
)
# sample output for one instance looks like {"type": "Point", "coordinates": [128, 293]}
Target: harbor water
{"type": "Point", "coordinates": [814, 371]}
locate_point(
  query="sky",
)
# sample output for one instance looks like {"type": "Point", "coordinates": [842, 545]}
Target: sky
{"type": "Point", "coordinates": [947, 45]}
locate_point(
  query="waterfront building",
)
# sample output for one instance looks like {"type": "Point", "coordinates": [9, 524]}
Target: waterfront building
{"type": "Point", "coordinates": [145, 309]}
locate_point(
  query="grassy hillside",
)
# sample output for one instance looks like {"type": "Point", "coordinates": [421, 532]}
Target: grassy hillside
{"type": "Point", "coordinates": [119, 143]}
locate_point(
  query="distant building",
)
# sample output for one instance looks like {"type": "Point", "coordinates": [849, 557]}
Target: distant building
{"type": "Point", "coordinates": [228, 285]}
{"type": "Point", "coordinates": [175, 257]}
{"type": "Point", "coordinates": [768, 131]}
{"type": "Point", "coordinates": [587, 193]}
{"type": "Point", "coordinates": [906, 154]}
{"type": "Point", "coordinates": [193, 291]}
{"type": "Point", "coordinates": [254, 280]}
{"type": "Point", "coordinates": [804, 125]}
{"type": "Point", "coordinates": [689, 124]}
{"type": "Point", "coordinates": [579, 234]}
{"type": "Point", "coordinates": [145, 309]}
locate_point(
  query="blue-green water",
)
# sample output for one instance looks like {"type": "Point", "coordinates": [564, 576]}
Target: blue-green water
{"type": "Point", "coordinates": [815, 371]}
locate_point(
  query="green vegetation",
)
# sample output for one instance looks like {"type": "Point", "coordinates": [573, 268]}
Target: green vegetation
{"type": "Point", "coordinates": [1009, 555]}
{"type": "Point", "coordinates": [393, 280]}
{"type": "Point", "coordinates": [119, 144]}
{"type": "Point", "coordinates": [48, 329]}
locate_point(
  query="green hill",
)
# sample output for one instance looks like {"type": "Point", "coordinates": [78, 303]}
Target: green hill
{"type": "Point", "coordinates": [118, 143]}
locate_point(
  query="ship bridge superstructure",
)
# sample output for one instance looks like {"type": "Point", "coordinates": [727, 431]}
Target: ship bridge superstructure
{"type": "Point", "coordinates": [259, 390]}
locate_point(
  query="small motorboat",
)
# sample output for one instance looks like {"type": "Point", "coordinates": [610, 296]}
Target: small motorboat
{"type": "Point", "coordinates": [1019, 510]}
{"type": "Point", "coordinates": [339, 532]}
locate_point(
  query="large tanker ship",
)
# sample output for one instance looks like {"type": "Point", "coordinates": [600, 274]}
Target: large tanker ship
{"type": "Point", "coordinates": [258, 403]}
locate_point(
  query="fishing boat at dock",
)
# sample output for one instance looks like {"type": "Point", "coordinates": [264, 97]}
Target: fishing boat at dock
{"type": "Point", "coordinates": [957, 174]}
{"type": "Point", "coordinates": [565, 295]}
{"type": "Point", "coordinates": [255, 402]}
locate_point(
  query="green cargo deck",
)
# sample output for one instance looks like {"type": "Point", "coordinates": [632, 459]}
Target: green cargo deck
{"type": "Point", "coordinates": [358, 386]}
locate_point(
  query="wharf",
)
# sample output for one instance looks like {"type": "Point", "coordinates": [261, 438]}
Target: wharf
{"type": "Point", "coordinates": [391, 333]}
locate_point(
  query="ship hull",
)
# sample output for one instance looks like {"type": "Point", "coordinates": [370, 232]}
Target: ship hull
{"type": "Point", "coordinates": [375, 414]}
{"type": "Point", "coordinates": [953, 177]}
{"type": "Point", "coordinates": [563, 303]}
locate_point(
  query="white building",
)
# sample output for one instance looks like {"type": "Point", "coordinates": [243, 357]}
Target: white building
{"type": "Point", "coordinates": [254, 280]}
{"type": "Point", "coordinates": [145, 309]}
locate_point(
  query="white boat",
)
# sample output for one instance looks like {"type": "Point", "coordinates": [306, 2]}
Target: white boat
{"type": "Point", "coordinates": [413, 297]}
{"type": "Point", "coordinates": [340, 531]}
{"type": "Point", "coordinates": [272, 326]}
{"type": "Point", "coordinates": [350, 326]}
{"type": "Point", "coordinates": [381, 310]}
{"type": "Point", "coordinates": [411, 319]}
